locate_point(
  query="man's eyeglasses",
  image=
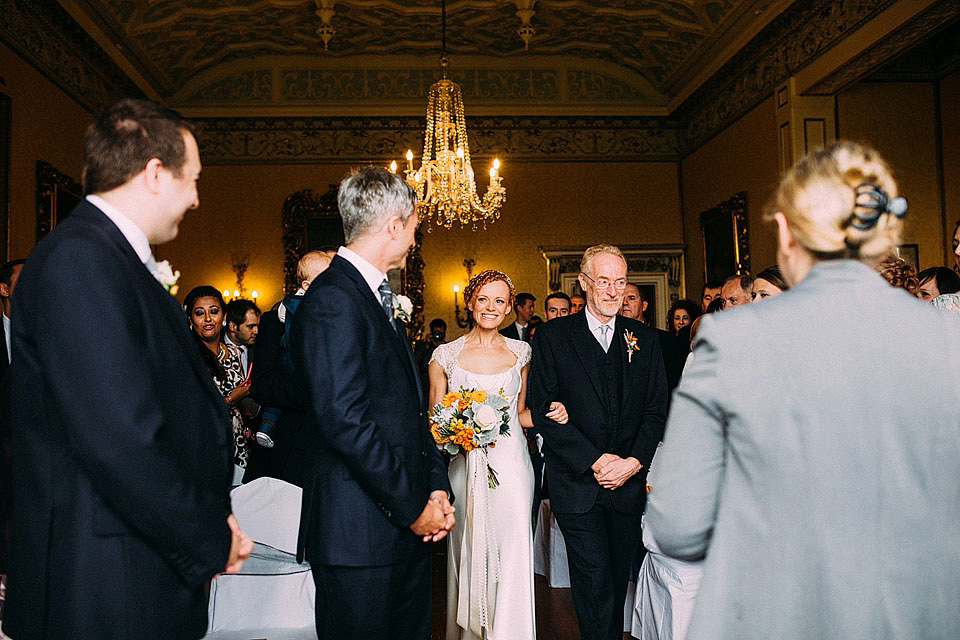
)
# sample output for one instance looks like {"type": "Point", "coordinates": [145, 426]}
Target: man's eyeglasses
{"type": "Point", "coordinates": [603, 283]}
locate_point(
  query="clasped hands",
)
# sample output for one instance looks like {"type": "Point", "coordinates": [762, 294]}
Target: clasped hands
{"type": "Point", "coordinates": [611, 471]}
{"type": "Point", "coordinates": [436, 520]}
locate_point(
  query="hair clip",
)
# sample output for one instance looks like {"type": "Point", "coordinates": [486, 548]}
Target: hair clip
{"type": "Point", "coordinates": [875, 200]}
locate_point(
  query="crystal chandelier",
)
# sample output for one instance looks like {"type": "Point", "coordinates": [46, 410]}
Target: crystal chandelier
{"type": "Point", "coordinates": [445, 184]}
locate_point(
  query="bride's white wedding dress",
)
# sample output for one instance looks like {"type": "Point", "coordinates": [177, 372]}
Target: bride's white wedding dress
{"type": "Point", "coordinates": [490, 550]}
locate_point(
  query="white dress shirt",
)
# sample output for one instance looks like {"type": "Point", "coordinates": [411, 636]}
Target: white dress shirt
{"type": "Point", "coordinates": [371, 275]}
{"type": "Point", "coordinates": [6, 334]}
{"type": "Point", "coordinates": [594, 325]}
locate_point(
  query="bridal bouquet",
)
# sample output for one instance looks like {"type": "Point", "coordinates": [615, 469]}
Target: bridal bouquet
{"type": "Point", "coordinates": [470, 419]}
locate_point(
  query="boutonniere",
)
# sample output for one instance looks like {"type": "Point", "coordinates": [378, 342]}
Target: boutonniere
{"type": "Point", "coordinates": [631, 344]}
{"type": "Point", "coordinates": [402, 308]}
{"type": "Point", "coordinates": [166, 276]}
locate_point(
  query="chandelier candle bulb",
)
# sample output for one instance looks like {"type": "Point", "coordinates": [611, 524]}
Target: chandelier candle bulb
{"type": "Point", "coordinates": [226, 294]}
{"type": "Point", "coordinates": [409, 160]}
{"type": "Point", "coordinates": [393, 166]}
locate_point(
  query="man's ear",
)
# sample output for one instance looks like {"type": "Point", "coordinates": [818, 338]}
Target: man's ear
{"type": "Point", "coordinates": [231, 327]}
{"type": "Point", "coordinates": [152, 173]}
{"type": "Point", "coordinates": [4, 290]}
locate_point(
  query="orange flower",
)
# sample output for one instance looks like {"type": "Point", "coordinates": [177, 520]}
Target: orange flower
{"type": "Point", "coordinates": [479, 396]}
{"type": "Point", "coordinates": [450, 398]}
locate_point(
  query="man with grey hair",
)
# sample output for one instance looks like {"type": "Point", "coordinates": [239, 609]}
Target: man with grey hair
{"type": "Point", "coordinates": [378, 492]}
{"type": "Point", "coordinates": [608, 372]}
{"type": "Point", "coordinates": [737, 290]}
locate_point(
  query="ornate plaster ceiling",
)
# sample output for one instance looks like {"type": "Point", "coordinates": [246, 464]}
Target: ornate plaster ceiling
{"type": "Point", "coordinates": [638, 57]}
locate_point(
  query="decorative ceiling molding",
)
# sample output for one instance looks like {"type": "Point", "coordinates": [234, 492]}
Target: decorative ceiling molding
{"type": "Point", "coordinates": [909, 35]}
{"type": "Point", "coordinates": [47, 37]}
{"type": "Point", "coordinates": [796, 37]}
{"type": "Point", "coordinates": [518, 139]}
{"type": "Point", "coordinates": [170, 42]}
{"type": "Point", "coordinates": [551, 85]}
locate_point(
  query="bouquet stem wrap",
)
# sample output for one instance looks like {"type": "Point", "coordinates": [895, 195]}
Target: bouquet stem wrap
{"type": "Point", "coordinates": [485, 557]}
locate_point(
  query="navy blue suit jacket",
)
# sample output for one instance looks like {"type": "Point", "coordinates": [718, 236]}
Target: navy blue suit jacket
{"type": "Point", "coordinates": [564, 368]}
{"type": "Point", "coordinates": [122, 448]}
{"type": "Point", "coordinates": [376, 462]}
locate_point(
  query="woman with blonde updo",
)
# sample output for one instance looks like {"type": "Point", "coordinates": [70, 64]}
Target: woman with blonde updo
{"type": "Point", "coordinates": [812, 452]}
{"type": "Point", "coordinates": [490, 559]}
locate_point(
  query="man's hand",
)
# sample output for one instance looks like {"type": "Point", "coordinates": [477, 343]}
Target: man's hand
{"type": "Point", "coordinates": [435, 518]}
{"type": "Point", "coordinates": [617, 471]}
{"type": "Point", "coordinates": [241, 546]}
{"type": "Point", "coordinates": [602, 462]}
{"type": "Point", "coordinates": [440, 497]}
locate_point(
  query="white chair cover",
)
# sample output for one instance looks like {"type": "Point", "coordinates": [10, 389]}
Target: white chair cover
{"type": "Point", "coordinates": [273, 596]}
{"type": "Point", "coordinates": [666, 589]}
{"type": "Point", "coordinates": [549, 550]}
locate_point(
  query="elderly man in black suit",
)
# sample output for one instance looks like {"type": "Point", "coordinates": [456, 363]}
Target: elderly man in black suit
{"type": "Point", "coordinates": [608, 372]}
{"type": "Point", "coordinates": [380, 490]}
{"type": "Point", "coordinates": [122, 447]}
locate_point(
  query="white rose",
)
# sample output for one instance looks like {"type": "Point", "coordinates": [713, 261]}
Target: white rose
{"type": "Point", "coordinates": [486, 417]}
{"type": "Point", "coordinates": [405, 304]}
{"type": "Point", "coordinates": [165, 274]}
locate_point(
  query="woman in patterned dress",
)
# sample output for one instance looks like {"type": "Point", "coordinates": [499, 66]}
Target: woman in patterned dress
{"type": "Point", "coordinates": [205, 310]}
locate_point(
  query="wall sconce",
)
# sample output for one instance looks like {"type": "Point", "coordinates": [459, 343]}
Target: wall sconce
{"type": "Point", "coordinates": [464, 321]}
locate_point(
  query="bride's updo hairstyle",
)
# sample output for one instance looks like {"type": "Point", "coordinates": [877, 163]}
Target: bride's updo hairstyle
{"type": "Point", "coordinates": [841, 202]}
{"type": "Point", "coordinates": [483, 278]}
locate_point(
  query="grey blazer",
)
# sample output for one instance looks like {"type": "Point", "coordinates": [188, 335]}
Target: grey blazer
{"type": "Point", "coordinates": [812, 452]}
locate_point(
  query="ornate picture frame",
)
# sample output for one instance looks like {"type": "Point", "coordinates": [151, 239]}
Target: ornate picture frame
{"type": "Point", "coordinates": [726, 239]}
{"type": "Point", "coordinates": [57, 195]}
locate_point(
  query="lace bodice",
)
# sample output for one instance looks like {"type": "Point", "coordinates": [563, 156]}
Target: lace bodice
{"type": "Point", "coordinates": [447, 356]}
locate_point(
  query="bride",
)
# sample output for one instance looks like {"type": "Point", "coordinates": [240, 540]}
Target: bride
{"type": "Point", "coordinates": [490, 550]}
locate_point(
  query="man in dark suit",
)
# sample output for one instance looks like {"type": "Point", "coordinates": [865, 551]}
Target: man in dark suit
{"type": "Point", "coordinates": [380, 491]}
{"type": "Point", "coordinates": [525, 307]}
{"type": "Point", "coordinates": [9, 273]}
{"type": "Point", "coordinates": [122, 446]}
{"type": "Point", "coordinates": [280, 392]}
{"type": "Point", "coordinates": [608, 372]}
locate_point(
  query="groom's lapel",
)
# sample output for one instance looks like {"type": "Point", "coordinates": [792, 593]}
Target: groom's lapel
{"type": "Point", "coordinates": [583, 344]}
{"type": "Point", "coordinates": [388, 326]}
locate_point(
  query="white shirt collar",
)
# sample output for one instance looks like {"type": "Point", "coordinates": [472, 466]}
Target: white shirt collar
{"type": "Point", "coordinates": [371, 275]}
{"type": "Point", "coordinates": [594, 325]}
{"type": "Point", "coordinates": [134, 234]}
{"type": "Point", "coordinates": [6, 334]}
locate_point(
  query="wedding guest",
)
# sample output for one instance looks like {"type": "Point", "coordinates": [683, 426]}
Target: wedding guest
{"type": "Point", "coordinates": [205, 311]}
{"type": "Point", "coordinates": [243, 324]}
{"type": "Point", "coordinates": [423, 351]}
{"type": "Point", "coordinates": [556, 305]}
{"type": "Point", "coordinates": [717, 304]}
{"type": "Point", "coordinates": [935, 281]}
{"type": "Point", "coordinates": [681, 314]}
{"type": "Point", "coordinates": [711, 291]}
{"type": "Point", "coordinates": [769, 283]}
{"type": "Point", "coordinates": [795, 501]}
{"type": "Point", "coordinates": [9, 273]}
{"type": "Point", "coordinates": [122, 471]}
{"type": "Point", "coordinates": [492, 529]}
{"type": "Point", "coordinates": [608, 373]}
{"type": "Point", "coordinates": [379, 492]}
{"type": "Point", "coordinates": [737, 290]}
{"type": "Point", "coordinates": [577, 302]}
{"type": "Point", "coordinates": [899, 274]}
{"type": "Point", "coordinates": [525, 311]}
{"type": "Point", "coordinates": [285, 445]}
{"type": "Point", "coordinates": [535, 322]}
{"type": "Point", "coordinates": [634, 306]}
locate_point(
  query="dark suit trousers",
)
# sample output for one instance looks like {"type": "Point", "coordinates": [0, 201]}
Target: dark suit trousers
{"type": "Point", "coordinates": [375, 603]}
{"type": "Point", "coordinates": [600, 546]}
